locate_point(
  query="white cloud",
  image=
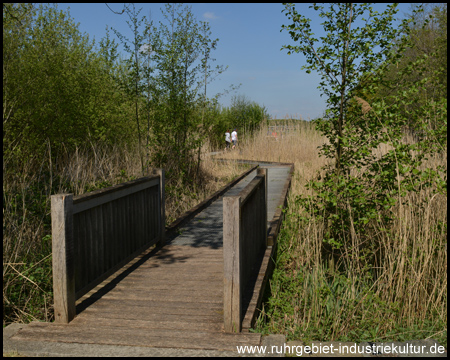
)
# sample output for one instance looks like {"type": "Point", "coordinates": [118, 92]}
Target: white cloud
{"type": "Point", "coordinates": [209, 15]}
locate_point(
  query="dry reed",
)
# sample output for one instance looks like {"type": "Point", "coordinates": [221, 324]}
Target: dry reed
{"type": "Point", "coordinates": [408, 294]}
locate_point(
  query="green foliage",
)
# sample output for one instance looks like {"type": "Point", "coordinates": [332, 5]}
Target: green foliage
{"type": "Point", "coordinates": [358, 198]}
{"type": "Point", "coordinates": [344, 56]}
{"type": "Point", "coordinates": [131, 83]}
{"type": "Point", "coordinates": [361, 186]}
{"type": "Point", "coordinates": [167, 74]}
{"type": "Point", "coordinates": [56, 89]}
{"type": "Point", "coordinates": [424, 65]}
{"type": "Point", "coordinates": [243, 114]}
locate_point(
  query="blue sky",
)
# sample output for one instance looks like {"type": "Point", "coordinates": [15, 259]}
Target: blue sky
{"type": "Point", "coordinates": [249, 43]}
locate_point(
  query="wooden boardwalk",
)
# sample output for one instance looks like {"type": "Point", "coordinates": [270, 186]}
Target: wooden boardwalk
{"type": "Point", "coordinates": [167, 297]}
{"type": "Point", "coordinates": [172, 297]}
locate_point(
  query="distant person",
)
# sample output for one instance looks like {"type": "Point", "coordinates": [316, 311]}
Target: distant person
{"type": "Point", "coordinates": [227, 140]}
{"type": "Point", "coordinates": [234, 138]}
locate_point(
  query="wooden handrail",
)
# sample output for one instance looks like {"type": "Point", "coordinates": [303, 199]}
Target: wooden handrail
{"type": "Point", "coordinates": [244, 242]}
{"type": "Point", "coordinates": [95, 234]}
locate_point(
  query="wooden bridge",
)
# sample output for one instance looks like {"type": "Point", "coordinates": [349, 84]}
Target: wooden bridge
{"type": "Point", "coordinates": [121, 278]}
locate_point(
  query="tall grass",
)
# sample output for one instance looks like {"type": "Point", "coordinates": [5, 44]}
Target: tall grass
{"type": "Point", "coordinates": [396, 289]}
{"type": "Point", "coordinates": [27, 186]}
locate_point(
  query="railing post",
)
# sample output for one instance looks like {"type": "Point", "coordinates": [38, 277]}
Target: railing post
{"type": "Point", "coordinates": [264, 172]}
{"type": "Point", "coordinates": [162, 196]}
{"type": "Point", "coordinates": [232, 307]}
{"type": "Point", "coordinates": [63, 257]}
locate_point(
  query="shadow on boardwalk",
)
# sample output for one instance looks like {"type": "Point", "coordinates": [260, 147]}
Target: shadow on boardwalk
{"type": "Point", "coordinates": [167, 297]}
{"type": "Point", "coordinates": [158, 253]}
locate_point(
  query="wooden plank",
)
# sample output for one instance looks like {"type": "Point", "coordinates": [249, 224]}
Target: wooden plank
{"type": "Point", "coordinates": [155, 307]}
{"type": "Point", "coordinates": [89, 255]}
{"type": "Point", "coordinates": [125, 293]}
{"type": "Point", "coordinates": [144, 283]}
{"type": "Point", "coordinates": [137, 221]}
{"type": "Point", "coordinates": [182, 280]}
{"type": "Point", "coordinates": [202, 253]}
{"type": "Point", "coordinates": [150, 337]}
{"type": "Point", "coordinates": [62, 257]}
{"type": "Point", "coordinates": [114, 239]}
{"type": "Point", "coordinates": [163, 295]}
{"type": "Point", "coordinates": [157, 273]}
{"type": "Point", "coordinates": [155, 214]}
{"type": "Point", "coordinates": [180, 261]}
{"type": "Point", "coordinates": [78, 250]}
{"type": "Point", "coordinates": [184, 270]}
{"type": "Point", "coordinates": [107, 233]}
{"type": "Point", "coordinates": [190, 311]}
{"type": "Point", "coordinates": [100, 241]}
{"type": "Point", "coordinates": [160, 295]}
{"type": "Point", "coordinates": [187, 248]}
{"type": "Point", "coordinates": [102, 196]}
{"type": "Point", "coordinates": [159, 306]}
{"type": "Point", "coordinates": [122, 222]}
{"type": "Point", "coordinates": [207, 319]}
{"type": "Point", "coordinates": [82, 255]}
{"type": "Point", "coordinates": [161, 205]}
{"type": "Point", "coordinates": [248, 191]}
{"type": "Point", "coordinates": [141, 221]}
{"type": "Point", "coordinates": [264, 172]}
{"type": "Point", "coordinates": [94, 244]}
{"type": "Point", "coordinates": [156, 323]}
{"type": "Point", "coordinates": [129, 223]}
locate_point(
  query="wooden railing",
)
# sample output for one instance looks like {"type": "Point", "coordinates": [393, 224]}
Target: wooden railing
{"type": "Point", "coordinates": [95, 234]}
{"type": "Point", "coordinates": [244, 243]}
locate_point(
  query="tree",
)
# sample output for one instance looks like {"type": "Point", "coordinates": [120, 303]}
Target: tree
{"type": "Point", "coordinates": [55, 85]}
{"type": "Point", "coordinates": [353, 58]}
{"type": "Point", "coordinates": [133, 83]}
{"type": "Point", "coordinates": [428, 38]}
{"type": "Point", "coordinates": [181, 58]}
{"type": "Point", "coordinates": [345, 55]}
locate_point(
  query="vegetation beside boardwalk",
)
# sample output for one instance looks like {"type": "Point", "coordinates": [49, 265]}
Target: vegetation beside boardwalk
{"type": "Point", "coordinates": [362, 253]}
{"type": "Point", "coordinates": [399, 294]}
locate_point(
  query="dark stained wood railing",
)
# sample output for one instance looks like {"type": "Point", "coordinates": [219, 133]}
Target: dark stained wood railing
{"type": "Point", "coordinates": [95, 234]}
{"type": "Point", "coordinates": [244, 243]}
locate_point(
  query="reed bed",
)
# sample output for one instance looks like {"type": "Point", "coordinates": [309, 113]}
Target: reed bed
{"type": "Point", "coordinates": [399, 295]}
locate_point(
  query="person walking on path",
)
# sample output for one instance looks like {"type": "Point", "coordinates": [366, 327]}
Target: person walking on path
{"type": "Point", "coordinates": [227, 140]}
{"type": "Point", "coordinates": [234, 138]}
